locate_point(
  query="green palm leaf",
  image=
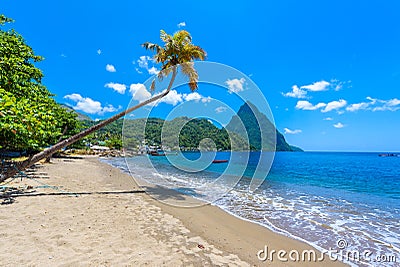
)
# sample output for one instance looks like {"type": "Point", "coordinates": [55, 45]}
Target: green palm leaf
{"type": "Point", "coordinates": [179, 50]}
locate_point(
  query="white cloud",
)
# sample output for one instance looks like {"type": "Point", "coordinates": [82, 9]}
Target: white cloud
{"type": "Point", "coordinates": [363, 105]}
{"type": "Point", "coordinates": [138, 70]}
{"type": "Point", "coordinates": [338, 125]}
{"type": "Point", "coordinates": [206, 99]}
{"type": "Point", "coordinates": [328, 119]}
{"type": "Point", "coordinates": [296, 92]}
{"type": "Point", "coordinates": [153, 71]}
{"type": "Point", "coordinates": [181, 24]}
{"type": "Point", "coordinates": [375, 104]}
{"type": "Point", "coordinates": [74, 97]}
{"type": "Point", "coordinates": [305, 105]}
{"type": "Point", "coordinates": [99, 52]}
{"type": "Point", "coordinates": [196, 97]}
{"type": "Point", "coordinates": [388, 105]}
{"type": "Point", "coordinates": [172, 98]}
{"type": "Point", "coordinates": [334, 105]}
{"type": "Point", "coordinates": [288, 131]}
{"type": "Point", "coordinates": [301, 91]}
{"type": "Point", "coordinates": [220, 109]}
{"type": "Point", "coordinates": [63, 55]}
{"type": "Point", "coordinates": [338, 85]}
{"type": "Point", "coordinates": [317, 86]}
{"type": "Point", "coordinates": [192, 96]}
{"type": "Point", "coordinates": [139, 92]}
{"type": "Point", "coordinates": [89, 105]}
{"type": "Point", "coordinates": [143, 62]}
{"type": "Point", "coordinates": [358, 106]}
{"type": "Point", "coordinates": [373, 100]}
{"type": "Point", "coordinates": [118, 87]}
{"type": "Point", "coordinates": [110, 68]}
{"type": "Point", "coordinates": [110, 108]}
{"type": "Point", "coordinates": [235, 85]}
{"type": "Point", "coordinates": [393, 102]}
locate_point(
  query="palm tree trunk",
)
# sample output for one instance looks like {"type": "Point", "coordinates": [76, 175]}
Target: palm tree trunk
{"type": "Point", "coordinates": [59, 140]}
{"type": "Point", "coordinates": [51, 150]}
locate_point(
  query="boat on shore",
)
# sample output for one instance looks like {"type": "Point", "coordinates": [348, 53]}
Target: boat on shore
{"type": "Point", "coordinates": [219, 161]}
{"type": "Point", "coordinates": [388, 155]}
{"type": "Point", "coordinates": [157, 153]}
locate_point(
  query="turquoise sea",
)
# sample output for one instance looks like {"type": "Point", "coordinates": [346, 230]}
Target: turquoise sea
{"type": "Point", "coordinates": [322, 198]}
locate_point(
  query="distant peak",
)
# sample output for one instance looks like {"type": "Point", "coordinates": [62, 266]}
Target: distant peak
{"type": "Point", "coordinates": [248, 107]}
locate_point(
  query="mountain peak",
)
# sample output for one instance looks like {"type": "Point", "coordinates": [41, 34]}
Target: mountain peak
{"type": "Point", "coordinates": [248, 107]}
{"type": "Point", "coordinates": [259, 130]}
{"type": "Point", "coordinates": [80, 116]}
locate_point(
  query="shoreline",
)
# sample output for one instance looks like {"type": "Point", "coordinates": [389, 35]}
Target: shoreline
{"type": "Point", "coordinates": [126, 228]}
{"type": "Point", "coordinates": [189, 221]}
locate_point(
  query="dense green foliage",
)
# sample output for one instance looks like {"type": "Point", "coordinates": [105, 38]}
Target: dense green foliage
{"type": "Point", "coordinates": [30, 119]}
{"type": "Point", "coordinates": [110, 135]}
{"type": "Point", "coordinates": [148, 131]}
{"type": "Point", "coordinates": [187, 134]}
{"type": "Point", "coordinates": [191, 133]}
{"type": "Point", "coordinates": [253, 120]}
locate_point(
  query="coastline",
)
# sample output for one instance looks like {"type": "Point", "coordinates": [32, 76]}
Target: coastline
{"type": "Point", "coordinates": [127, 228]}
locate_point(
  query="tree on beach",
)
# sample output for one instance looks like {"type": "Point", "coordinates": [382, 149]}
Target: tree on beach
{"type": "Point", "coordinates": [177, 51]}
{"type": "Point", "coordinates": [29, 116]}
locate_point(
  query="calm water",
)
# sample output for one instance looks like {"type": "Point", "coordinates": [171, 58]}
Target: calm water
{"type": "Point", "coordinates": [317, 197]}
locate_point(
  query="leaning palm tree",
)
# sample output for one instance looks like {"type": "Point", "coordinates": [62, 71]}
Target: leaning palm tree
{"type": "Point", "coordinates": [178, 51]}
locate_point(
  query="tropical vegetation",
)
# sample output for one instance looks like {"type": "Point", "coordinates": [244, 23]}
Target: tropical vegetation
{"type": "Point", "coordinates": [20, 76]}
{"type": "Point", "coordinates": [30, 119]}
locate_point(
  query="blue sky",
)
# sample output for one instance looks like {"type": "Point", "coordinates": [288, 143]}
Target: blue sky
{"type": "Point", "coordinates": [330, 71]}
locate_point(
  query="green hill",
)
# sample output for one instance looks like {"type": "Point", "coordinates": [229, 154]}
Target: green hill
{"type": "Point", "coordinates": [193, 133]}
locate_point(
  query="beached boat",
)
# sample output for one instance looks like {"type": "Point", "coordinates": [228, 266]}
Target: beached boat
{"type": "Point", "coordinates": [219, 161]}
{"type": "Point", "coordinates": [156, 153]}
{"type": "Point", "coordinates": [388, 155]}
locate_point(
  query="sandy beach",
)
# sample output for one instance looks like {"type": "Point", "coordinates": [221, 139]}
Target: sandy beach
{"type": "Point", "coordinates": [111, 221]}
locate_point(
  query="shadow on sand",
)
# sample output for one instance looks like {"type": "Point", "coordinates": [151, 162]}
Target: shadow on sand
{"type": "Point", "coordinates": [180, 196]}
{"type": "Point", "coordinates": [10, 195]}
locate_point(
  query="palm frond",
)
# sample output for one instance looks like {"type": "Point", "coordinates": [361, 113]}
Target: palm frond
{"type": "Point", "coordinates": [164, 36]}
{"type": "Point", "coordinates": [153, 85]}
{"type": "Point", "coordinates": [164, 73]}
{"type": "Point", "coordinates": [189, 70]}
{"type": "Point", "coordinates": [153, 47]}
